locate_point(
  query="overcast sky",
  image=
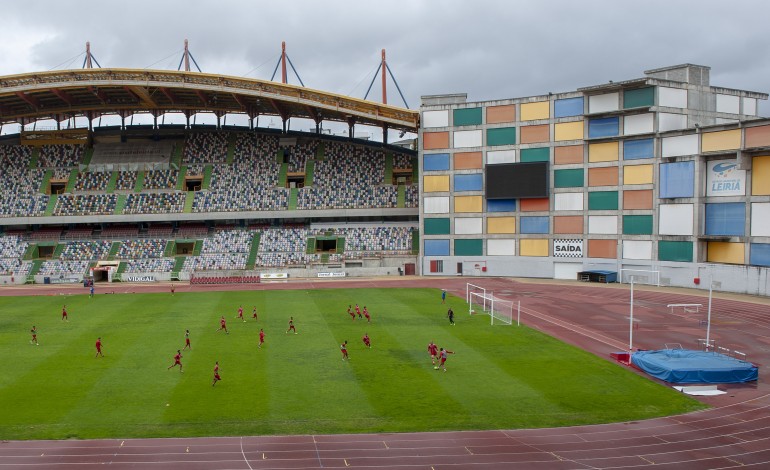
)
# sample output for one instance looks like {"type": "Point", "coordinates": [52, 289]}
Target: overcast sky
{"type": "Point", "coordinates": [487, 49]}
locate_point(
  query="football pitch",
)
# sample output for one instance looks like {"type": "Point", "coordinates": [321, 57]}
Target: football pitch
{"type": "Point", "coordinates": [500, 377]}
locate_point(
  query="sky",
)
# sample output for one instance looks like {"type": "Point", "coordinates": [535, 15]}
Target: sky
{"type": "Point", "coordinates": [487, 49]}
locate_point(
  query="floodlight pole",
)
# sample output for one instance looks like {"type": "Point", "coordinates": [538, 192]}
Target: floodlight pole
{"type": "Point", "coordinates": [631, 319]}
{"type": "Point", "coordinates": [708, 317]}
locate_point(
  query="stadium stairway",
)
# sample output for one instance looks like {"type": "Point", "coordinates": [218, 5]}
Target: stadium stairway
{"type": "Point", "coordinates": [58, 251]}
{"type": "Point", "coordinates": [310, 245]}
{"type": "Point", "coordinates": [180, 178]}
{"type": "Point", "coordinates": [206, 183]}
{"type": "Point", "coordinates": [113, 183]}
{"type": "Point", "coordinates": [178, 263]}
{"type": "Point", "coordinates": [176, 156]}
{"type": "Point", "coordinates": [139, 181]}
{"type": "Point", "coordinates": [282, 175]}
{"type": "Point", "coordinates": [415, 169]}
{"type": "Point", "coordinates": [340, 245]}
{"type": "Point", "coordinates": [252, 259]}
{"type": "Point", "coordinates": [309, 171]}
{"type": "Point", "coordinates": [34, 159]}
{"type": "Point", "coordinates": [401, 196]}
{"type": "Point", "coordinates": [198, 247]}
{"type": "Point", "coordinates": [113, 250]}
{"type": "Point", "coordinates": [231, 148]}
{"type": "Point", "coordinates": [121, 268]}
{"type": "Point", "coordinates": [46, 179]}
{"type": "Point", "coordinates": [35, 267]}
{"type": "Point", "coordinates": [279, 155]}
{"type": "Point", "coordinates": [324, 258]}
{"type": "Point", "coordinates": [89, 153]}
{"type": "Point", "coordinates": [189, 199]}
{"type": "Point", "coordinates": [293, 196]}
{"type": "Point", "coordinates": [51, 204]}
{"type": "Point", "coordinates": [388, 178]}
{"type": "Point", "coordinates": [31, 253]}
{"type": "Point", "coordinates": [416, 242]}
{"type": "Point", "coordinates": [170, 247]}
{"type": "Point", "coordinates": [71, 181]}
{"type": "Point", "coordinates": [120, 204]}
{"type": "Point", "coordinates": [320, 151]}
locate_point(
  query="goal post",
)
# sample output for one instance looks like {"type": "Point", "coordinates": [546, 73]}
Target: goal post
{"type": "Point", "coordinates": [473, 289]}
{"type": "Point", "coordinates": [640, 276]}
{"type": "Point", "coordinates": [500, 311]}
{"type": "Point", "coordinates": [480, 303]}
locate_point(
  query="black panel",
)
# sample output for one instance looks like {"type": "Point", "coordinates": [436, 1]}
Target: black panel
{"type": "Point", "coordinates": [517, 180]}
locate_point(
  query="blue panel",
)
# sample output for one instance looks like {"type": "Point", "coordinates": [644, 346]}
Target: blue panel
{"type": "Point", "coordinates": [677, 179]}
{"type": "Point", "coordinates": [760, 254]}
{"type": "Point", "coordinates": [435, 162]}
{"type": "Point", "coordinates": [501, 205]}
{"type": "Point", "coordinates": [472, 182]}
{"type": "Point", "coordinates": [436, 247]}
{"type": "Point", "coordinates": [604, 127]}
{"type": "Point", "coordinates": [638, 149]}
{"type": "Point", "coordinates": [726, 219]}
{"type": "Point", "coordinates": [533, 224]}
{"type": "Point", "coordinates": [568, 107]}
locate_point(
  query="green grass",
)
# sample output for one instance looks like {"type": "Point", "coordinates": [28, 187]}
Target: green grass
{"type": "Point", "coordinates": [500, 377]}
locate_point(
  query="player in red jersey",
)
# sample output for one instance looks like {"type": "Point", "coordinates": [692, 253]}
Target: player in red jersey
{"type": "Point", "coordinates": [34, 336]}
{"type": "Point", "coordinates": [177, 361]}
{"type": "Point", "coordinates": [433, 351]}
{"type": "Point", "coordinates": [366, 314]}
{"type": "Point", "coordinates": [366, 340]}
{"type": "Point", "coordinates": [261, 338]}
{"type": "Point", "coordinates": [223, 325]}
{"type": "Point", "coordinates": [291, 325]}
{"type": "Point", "coordinates": [350, 312]}
{"type": "Point", "coordinates": [254, 314]}
{"type": "Point", "coordinates": [240, 314]}
{"type": "Point", "coordinates": [99, 347]}
{"type": "Point", "coordinates": [442, 354]}
{"type": "Point", "coordinates": [187, 340]}
{"type": "Point", "coordinates": [216, 374]}
{"type": "Point", "coordinates": [64, 313]}
{"type": "Point", "coordinates": [358, 311]}
{"type": "Point", "coordinates": [172, 289]}
{"type": "Point", "coordinates": [344, 350]}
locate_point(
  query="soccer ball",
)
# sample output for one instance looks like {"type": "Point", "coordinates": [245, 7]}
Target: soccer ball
{"type": "Point", "coordinates": [435, 367]}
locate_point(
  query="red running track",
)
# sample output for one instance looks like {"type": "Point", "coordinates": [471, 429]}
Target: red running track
{"type": "Point", "coordinates": [735, 433]}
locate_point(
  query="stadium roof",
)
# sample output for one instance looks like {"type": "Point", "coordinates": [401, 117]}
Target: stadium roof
{"type": "Point", "coordinates": [62, 94]}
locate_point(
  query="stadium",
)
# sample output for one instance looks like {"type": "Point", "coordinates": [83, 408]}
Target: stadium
{"type": "Point", "coordinates": [660, 182]}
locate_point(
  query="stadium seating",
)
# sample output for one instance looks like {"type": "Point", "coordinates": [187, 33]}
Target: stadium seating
{"type": "Point", "coordinates": [20, 191]}
{"type": "Point", "coordinates": [141, 248]}
{"type": "Point", "coordinates": [92, 181]}
{"type": "Point", "coordinates": [149, 265]}
{"type": "Point", "coordinates": [154, 203]}
{"type": "Point", "coordinates": [228, 241]}
{"type": "Point", "coordinates": [15, 157]}
{"type": "Point", "coordinates": [160, 179]}
{"type": "Point", "coordinates": [85, 204]}
{"type": "Point", "coordinates": [63, 268]}
{"type": "Point", "coordinates": [60, 156]}
{"type": "Point", "coordinates": [215, 261]}
{"type": "Point", "coordinates": [126, 180]}
{"type": "Point", "coordinates": [205, 147]}
{"type": "Point", "coordinates": [86, 250]}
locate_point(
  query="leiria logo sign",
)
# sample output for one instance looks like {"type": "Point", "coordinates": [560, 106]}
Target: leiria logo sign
{"type": "Point", "coordinates": [725, 179]}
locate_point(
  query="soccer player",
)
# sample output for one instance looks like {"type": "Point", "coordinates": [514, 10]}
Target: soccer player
{"type": "Point", "coordinates": [261, 338]}
{"type": "Point", "coordinates": [177, 361]}
{"type": "Point", "coordinates": [187, 340]}
{"type": "Point", "coordinates": [366, 340]}
{"type": "Point", "coordinates": [99, 347]}
{"type": "Point", "coordinates": [240, 314]}
{"type": "Point", "coordinates": [366, 314]}
{"type": "Point", "coordinates": [64, 313]}
{"type": "Point", "coordinates": [451, 315]}
{"type": "Point", "coordinates": [442, 354]}
{"type": "Point", "coordinates": [358, 311]}
{"type": "Point", "coordinates": [344, 350]}
{"type": "Point", "coordinates": [216, 374]}
{"type": "Point", "coordinates": [291, 325]}
{"type": "Point", "coordinates": [254, 314]}
{"type": "Point", "coordinates": [34, 336]}
{"type": "Point", "coordinates": [350, 312]}
{"type": "Point", "coordinates": [172, 289]}
{"type": "Point", "coordinates": [433, 351]}
{"type": "Point", "coordinates": [92, 291]}
{"type": "Point", "coordinates": [443, 296]}
{"type": "Point", "coordinates": [223, 325]}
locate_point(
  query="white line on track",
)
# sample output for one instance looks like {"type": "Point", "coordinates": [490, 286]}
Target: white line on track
{"type": "Point", "coordinates": [244, 454]}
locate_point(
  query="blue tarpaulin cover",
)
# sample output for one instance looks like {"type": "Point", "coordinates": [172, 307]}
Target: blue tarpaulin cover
{"type": "Point", "coordinates": [688, 366]}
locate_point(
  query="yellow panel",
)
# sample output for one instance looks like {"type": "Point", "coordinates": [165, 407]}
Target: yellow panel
{"type": "Point", "coordinates": [760, 176]}
{"type": "Point", "coordinates": [723, 140]}
{"type": "Point", "coordinates": [568, 131]}
{"type": "Point", "coordinates": [637, 174]}
{"type": "Point", "coordinates": [532, 111]}
{"type": "Point", "coordinates": [467, 203]}
{"type": "Point", "coordinates": [437, 183]}
{"type": "Point", "coordinates": [726, 252]}
{"type": "Point", "coordinates": [606, 152]}
{"type": "Point", "coordinates": [501, 225]}
{"type": "Point", "coordinates": [533, 247]}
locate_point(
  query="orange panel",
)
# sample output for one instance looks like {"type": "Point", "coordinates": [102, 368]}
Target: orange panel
{"type": "Point", "coordinates": [534, 205]}
{"type": "Point", "coordinates": [603, 249]}
{"type": "Point", "coordinates": [534, 134]}
{"type": "Point", "coordinates": [568, 224]}
{"type": "Point", "coordinates": [568, 154]}
{"type": "Point", "coordinates": [606, 176]}
{"type": "Point", "coordinates": [641, 199]}
{"type": "Point", "coordinates": [467, 160]}
{"type": "Point", "coordinates": [757, 137]}
{"type": "Point", "coordinates": [435, 140]}
{"type": "Point", "coordinates": [497, 114]}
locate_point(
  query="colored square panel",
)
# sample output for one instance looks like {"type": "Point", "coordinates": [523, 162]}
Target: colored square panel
{"type": "Point", "coordinates": [539, 224]}
{"type": "Point", "coordinates": [535, 204]}
{"type": "Point", "coordinates": [563, 224]}
{"type": "Point", "coordinates": [603, 127]}
{"type": "Point", "coordinates": [568, 131]}
{"type": "Point", "coordinates": [467, 160]}
{"type": "Point", "coordinates": [435, 140]}
{"type": "Point", "coordinates": [641, 199]}
{"type": "Point", "coordinates": [468, 204]}
{"type": "Point", "coordinates": [722, 140]}
{"type": "Point", "coordinates": [760, 219]}
{"type": "Point", "coordinates": [603, 103]}
{"type": "Point", "coordinates": [533, 247]}
{"type": "Point", "coordinates": [501, 247]}
{"type": "Point", "coordinates": [568, 107]}
{"type": "Point", "coordinates": [726, 252]}
{"type": "Point", "coordinates": [435, 183]}
{"type": "Point", "coordinates": [495, 157]}
{"type": "Point", "coordinates": [466, 117]}
{"type": "Point", "coordinates": [603, 176]}
{"type": "Point", "coordinates": [758, 136]}
{"type": "Point", "coordinates": [760, 254]}
{"type": "Point", "coordinates": [435, 118]}
{"type": "Point", "coordinates": [501, 205]}
{"type": "Point", "coordinates": [436, 247]}
{"type": "Point", "coordinates": [468, 225]}
{"type": "Point", "coordinates": [464, 139]}
{"type": "Point", "coordinates": [603, 201]}
{"type": "Point", "coordinates": [539, 154]}
{"type": "Point", "coordinates": [534, 111]}
{"type": "Point", "coordinates": [637, 249]}
{"type": "Point", "coordinates": [638, 149]}
{"type": "Point", "coordinates": [501, 225]}
{"type": "Point", "coordinates": [436, 226]}
{"type": "Point", "coordinates": [637, 225]}
{"type": "Point", "coordinates": [675, 251]}
{"type": "Point", "coordinates": [677, 179]}
{"type": "Point", "coordinates": [639, 97]}
{"type": "Point", "coordinates": [435, 162]}
{"type": "Point", "coordinates": [637, 174]}
{"type": "Point", "coordinates": [501, 114]}
{"type": "Point", "coordinates": [567, 202]}
{"type": "Point", "coordinates": [603, 249]}
{"type": "Point", "coordinates": [604, 152]}
{"type": "Point", "coordinates": [672, 97]}
{"type": "Point", "coordinates": [675, 219]}
{"type": "Point", "coordinates": [535, 134]}
{"type": "Point", "coordinates": [726, 219]}
{"type": "Point", "coordinates": [568, 154]}
{"type": "Point", "coordinates": [436, 205]}
{"type": "Point", "coordinates": [472, 182]}
{"type": "Point", "coordinates": [639, 124]}
{"type": "Point", "coordinates": [728, 104]}
{"type": "Point", "coordinates": [680, 145]}
{"type": "Point", "coordinates": [603, 224]}
{"type": "Point", "coordinates": [571, 178]}
{"type": "Point", "coordinates": [760, 176]}
{"type": "Point", "coordinates": [501, 136]}
{"type": "Point", "coordinates": [469, 247]}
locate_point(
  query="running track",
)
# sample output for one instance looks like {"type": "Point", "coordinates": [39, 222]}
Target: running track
{"type": "Point", "coordinates": [734, 433]}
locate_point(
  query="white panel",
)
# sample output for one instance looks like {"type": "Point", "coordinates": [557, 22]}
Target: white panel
{"type": "Point", "coordinates": [566, 270]}
{"type": "Point", "coordinates": [750, 106]}
{"type": "Point", "coordinates": [672, 97]}
{"type": "Point", "coordinates": [725, 121]}
{"type": "Point", "coordinates": [435, 118]}
{"type": "Point", "coordinates": [501, 247]}
{"type": "Point", "coordinates": [603, 103]}
{"type": "Point", "coordinates": [728, 104]}
{"type": "Point", "coordinates": [463, 139]}
{"type": "Point", "coordinates": [501, 156]}
{"type": "Point", "coordinates": [568, 201]}
{"type": "Point", "coordinates": [637, 249]}
{"type": "Point", "coordinates": [603, 224]}
{"type": "Point", "coordinates": [671, 122]}
{"type": "Point", "coordinates": [436, 205]}
{"type": "Point", "coordinates": [680, 145]}
{"type": "Point", "coordinates": [760, 219]}
{"type": "Point", "coordinates": [467, 225]}
{"type": "Point", "coordinates": [675, 219]}
{"type": "Point", "coordinates": [723, 178]}
{"type": "Point", "coordinates": [638, 124]}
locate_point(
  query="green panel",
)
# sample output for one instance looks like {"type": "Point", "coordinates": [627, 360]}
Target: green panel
{"type": "Point", "coordinates": [35, 156]}
{"type": "Point", "coordinates": [320, 151]}
{"type": "Point", "coordinates": [473, 247]}
{"type": "Point", "coordinates": [120, 204]}
{"type": "Point", "coordinates": [540, 154]}
{"type": "Point", "coordinates": [46, 179]}
{"type": "Point", "coordinates": [310, 248]}
{"type": "Point", "coordinates": [282, 174]}
{"type": "Point", "coordinates": [501, 136]}
{"type": "Point", "coordinates": [35, 267]}
{"type": "Point", "coordinates": [71, 181]}
{"type": "Point", "coordinates": [253, 251]}
{"type": "Point", "coordinates": [178, 264]}
{"type": "Point", "coordinates": [122, 267]}
{"type": "Point", "coordinates": [189, 199]}
{"type": "Point", "coordinates": [51, 204]}
{"type": "Point", "coordinates": [401, 196]}
{"type": "Point", "coordinates": [139, 181]}
{"type": "Point", "coordinates": [231, 148]}
{"type": "Point", "coordinates": [293, 195]}
{"type": "Point", "coordinates": [637, 225]}
{"type": "Point", "coordinates": [340, 245]}
{"type": "Point", "coordinates": [206, 177]}
{"type": "Point", "coordinates": [114, 250]}
{"type": "Point", "coordinates": [89, 153]}
{"type": "Point", "coordinates": [674, 251]}
{"type": "Point", "coordinates": [112, 183]}
{"type": "Point", "coordinates": [436, 226]}
{"type": "Point", "coordinates": [639, 97]}
{"type": "Point", "coordinates": [603, 201]}
{"type": "Point", "coordinates": [169, 251]}
{"type": "Point", "coordinates": [568, 178]}
{"type": "Point", "coordinates": [198, 247]}
{"type": "Point", "coordinates": [309, 172]}
{"type": "Point", "coordinates": [388, 178]}
{"type": "Point", "coordinates": [31, 253]}
{"type": "Point", "coordinates": [467, 117]}
{"type": "Point", "coordinates": [416, 242]}
{"type": "Point", "coordinates": [180, 183]}
{"type": "Point", "coordinates": [176, 157]}
{"type": "Point", "coordinates": [58, 251]}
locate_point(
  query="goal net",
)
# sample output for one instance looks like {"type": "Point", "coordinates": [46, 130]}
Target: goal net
{"type": "Point", "coordinates": [473, 289]}
{"type": "Point", "coordinates": [640, 276]}
{"type": "Point", "coordinates": [500, 311]}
